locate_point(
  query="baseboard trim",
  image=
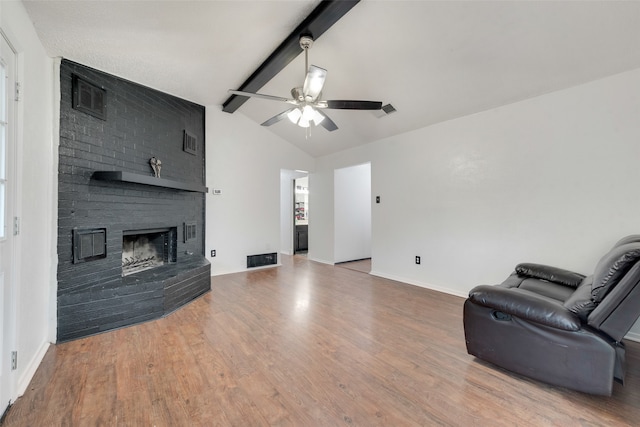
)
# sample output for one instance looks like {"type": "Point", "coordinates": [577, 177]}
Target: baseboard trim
{"type": "Point", "coordinates": [30, 370]}
{"type": "Point", "coordinates": [322, 261]}
{"type": "Point", "coordinates": [420, 284]}
{"type": "Point", "coordinates": [243, 270]}
{"type": "Point", "coordinates": [632, 336]}
{"type": "Point", "coordinates": [262, 267]}
{"type": "Point", "coordinates": [352, 260]}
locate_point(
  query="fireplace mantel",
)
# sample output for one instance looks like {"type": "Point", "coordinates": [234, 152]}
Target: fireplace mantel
{"type": "Point", "coordinates": [122, 176]}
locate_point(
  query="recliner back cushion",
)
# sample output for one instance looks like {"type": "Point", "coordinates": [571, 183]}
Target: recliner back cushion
{"type": "Point", "coordinates": [628, 239]}
{"type": "Point", "coordinates": [612, 267]}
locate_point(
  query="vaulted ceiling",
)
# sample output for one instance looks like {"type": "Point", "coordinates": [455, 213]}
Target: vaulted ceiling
{"type": "Point", "coordinates": [432, 60]}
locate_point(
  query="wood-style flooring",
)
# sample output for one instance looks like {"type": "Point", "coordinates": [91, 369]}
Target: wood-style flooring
{"type": "Point", "coordinates": [304, 344]}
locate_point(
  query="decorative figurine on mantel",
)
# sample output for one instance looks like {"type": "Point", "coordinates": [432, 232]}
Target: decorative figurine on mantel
{"type": "Point", "coordinates": [156, 165]}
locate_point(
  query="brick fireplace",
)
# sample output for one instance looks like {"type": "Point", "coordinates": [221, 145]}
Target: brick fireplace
{"type": "Point", "coordinates": [130, 233]}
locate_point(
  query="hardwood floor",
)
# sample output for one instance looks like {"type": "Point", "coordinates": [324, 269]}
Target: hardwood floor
{"type": "Point", "coordinates": [305, 344]}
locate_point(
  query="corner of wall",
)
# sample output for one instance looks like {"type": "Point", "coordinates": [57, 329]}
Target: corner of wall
{"type": "Point", "coordinates": [245, 161]}
{"type": "Point", "coordinates": [55, 144]}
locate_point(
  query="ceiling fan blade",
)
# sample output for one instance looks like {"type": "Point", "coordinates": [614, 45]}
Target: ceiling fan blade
{"type": "Point", "coordinates": [354, 105]}
{"type": "Point", "coordinates": [313, 82]}
{"type": "Point", "coordinates": [327, 123]}
{"type": "Point", "coordinates": [277, 118]}
{"type": "Point", "coordinates": [263, 96]}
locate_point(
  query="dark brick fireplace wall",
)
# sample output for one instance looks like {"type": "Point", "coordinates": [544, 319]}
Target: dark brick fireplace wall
{"type": "Point", "coordinates": [140, 123]}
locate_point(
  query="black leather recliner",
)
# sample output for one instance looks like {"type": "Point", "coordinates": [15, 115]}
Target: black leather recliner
{"type": "Point", "coordinates": [557, 326]}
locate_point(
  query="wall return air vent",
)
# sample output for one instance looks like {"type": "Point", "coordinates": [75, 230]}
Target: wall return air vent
{"type": "Point", "coordinates": [262, 260]}
{"type": "Point", "coordinates": [89, 98]}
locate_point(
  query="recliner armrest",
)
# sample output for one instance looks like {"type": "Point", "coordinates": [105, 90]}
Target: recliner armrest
{"type": "Point", "coordinates": [526, 306]}
{"type": "Point", "coordinates": [551, 274]}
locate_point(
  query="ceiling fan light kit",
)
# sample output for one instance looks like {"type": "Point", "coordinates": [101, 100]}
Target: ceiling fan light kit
{"type": "Point", "coordinates": [307, 98]}
{"type": "Point", "coordinates": [304, 116]}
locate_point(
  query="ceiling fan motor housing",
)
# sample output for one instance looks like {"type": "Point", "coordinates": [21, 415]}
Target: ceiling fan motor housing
{"type": "Point", "coordinates": [306, 42]}
{"type": "Point", "coordinates": [296, 93]}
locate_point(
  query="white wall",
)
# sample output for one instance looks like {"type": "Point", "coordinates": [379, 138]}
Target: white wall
{"type": "Point", "coordinates": [352, 213]}
{"type": "Point", "coordinates": [244, 160]}
{"type": "Point", "coordinates": [551, 180]}
{"type": "Point", "coordinates": [37, 194]}
{"type": "Point", "coordinates": [321, 230]}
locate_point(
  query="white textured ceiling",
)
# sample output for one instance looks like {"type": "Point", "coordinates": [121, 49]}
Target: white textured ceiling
{"type": "Point", "coordinates": [432, 60]}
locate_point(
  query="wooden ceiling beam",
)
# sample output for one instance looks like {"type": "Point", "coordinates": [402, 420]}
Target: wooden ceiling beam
{"type": "Point", "coordinates": [327, 13]}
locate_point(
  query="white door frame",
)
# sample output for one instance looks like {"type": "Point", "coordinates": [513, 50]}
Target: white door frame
{"type": "Point", "coordinates": [7, 269]}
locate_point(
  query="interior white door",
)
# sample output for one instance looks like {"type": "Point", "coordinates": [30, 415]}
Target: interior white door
{"type": "Point", "coordinates": [7, 203]}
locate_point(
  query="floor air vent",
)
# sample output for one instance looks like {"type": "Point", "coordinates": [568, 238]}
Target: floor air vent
{"type": "Point", "coordinates": [262, 260]}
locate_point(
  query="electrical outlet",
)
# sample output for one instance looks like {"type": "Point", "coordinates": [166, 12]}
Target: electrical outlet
{"type": "Point", "coordinates": [213, 253]}
{"type": "Point", "coordinates": [417, 259]}
{"type": "Point", "coordinates": [377, 199]}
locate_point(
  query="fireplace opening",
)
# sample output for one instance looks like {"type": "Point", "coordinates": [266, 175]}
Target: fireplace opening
{"type": "Point", "coordinates": [146, 249]}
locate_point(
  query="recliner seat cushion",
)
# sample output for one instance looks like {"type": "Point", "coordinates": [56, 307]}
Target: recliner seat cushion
{"type": "Point", "coordinates": [547, 289]}
{"type": "Point", "coordinates": [612, 267]}
{"type": "Point", "coordinates": [551, 274]}
{"type": "Point", "coordinates": [538, 286]}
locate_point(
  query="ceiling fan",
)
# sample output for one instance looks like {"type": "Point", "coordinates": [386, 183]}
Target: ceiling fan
{"type": "Point", "coordinates": [307, 105]}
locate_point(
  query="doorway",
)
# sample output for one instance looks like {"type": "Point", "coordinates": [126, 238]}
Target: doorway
{"type": "Point", "coordinates": [301, 215]}
{"type": "Point", "coordinates": [287, 208]}
{"type": "Point", "coordinates": [7, 214]}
